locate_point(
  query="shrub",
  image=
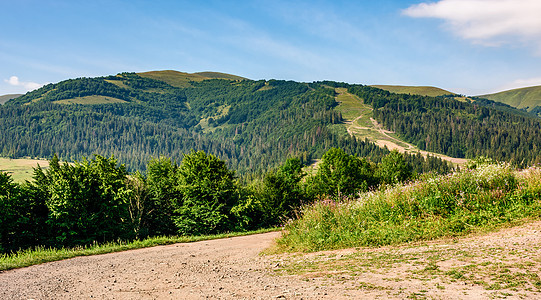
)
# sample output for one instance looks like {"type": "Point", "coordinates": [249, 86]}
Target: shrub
{"type": "Point", "coordinates": [207, 192]}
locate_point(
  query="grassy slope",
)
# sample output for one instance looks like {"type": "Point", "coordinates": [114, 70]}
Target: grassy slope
{"type": "Point", "coordinates": [21, 169]}
{"type": "Point", "coordinates": [182, 80]}
{"type": "Point", "coordinates": [529, 97]}
{"type": "Point", "coordinates": [430, 208]}
{"type": "Point", "coordinates": [218, 75]}
{"type": "Point", "coordinates": [358, 122]}
{"type": "Point", "coordinates": [414, 90]}
{"type": "Point", "coordinates": [6, 98]}
{"type": "Point", "coordinates": [174, 78]}
{"type": "Point", "coordinates": [91, 100]}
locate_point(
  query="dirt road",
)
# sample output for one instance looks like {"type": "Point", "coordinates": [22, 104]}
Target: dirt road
{"type": "Point", "coordinates": [219, 269]}
{"type": "Point", "coordinates": [234, 269]}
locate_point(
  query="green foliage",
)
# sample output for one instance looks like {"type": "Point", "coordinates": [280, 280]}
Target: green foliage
{"type": "Point", "coordinates": [207, 192]}
{"type": "Point", "coordinates": [394, 169]}
{"type": "Point", "coordinates": [281, 192]}
{"type": "Point", "coordinates": [343, 175]}
{"type": "Point", "coordinates": [432, 207]}
{"type": "Point", "coordinates": [161, 183]}
{"type": "Point", "coordinates": [458, 129]}
{"type": "Point", "coordinates": [86, 201]}
{"type": "Point", "coordinates": [479, 162]}
{"type": "Point", "coordinates": [22, 215]}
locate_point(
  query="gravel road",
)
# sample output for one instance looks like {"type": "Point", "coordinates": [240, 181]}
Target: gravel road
{"type": "Point", "coordinates": [233, 268]}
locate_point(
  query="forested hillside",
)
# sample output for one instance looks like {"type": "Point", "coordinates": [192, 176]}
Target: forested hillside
{"type": "Point", "coordinates": [456, 128]}
{"type": "Point", "coordinates": [253, 125]}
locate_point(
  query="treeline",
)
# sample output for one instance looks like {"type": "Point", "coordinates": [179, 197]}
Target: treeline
{"type": "Point", "coordinates": [455, 128]}
{"type": "Point", "coordinates": [98, 200]}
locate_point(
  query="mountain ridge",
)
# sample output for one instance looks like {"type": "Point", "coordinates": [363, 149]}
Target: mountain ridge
{"type": "Point", "coordinates": [414, 90]}
{"type": "Point", "coordinates": [7, 97]}
{"type": "Point", "coordinates": [527, 98]}
{"type": "Point", "coordinates": [252, 124]}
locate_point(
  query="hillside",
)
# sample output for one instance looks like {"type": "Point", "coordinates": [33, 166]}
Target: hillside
{"type": "Point", "coordinates": [524, 98]}
{"type": "Point", "coordinates": [414, 90]}
{"type": "Point", "coordinates": [6, 98]}
{"type": "Point", "coordinates": [182, 80]}
{"type": "Point", "coordinates": [253, 125]}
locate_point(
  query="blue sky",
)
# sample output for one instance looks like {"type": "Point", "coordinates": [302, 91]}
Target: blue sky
{"type": "Point", "coordinates": [466, 46]}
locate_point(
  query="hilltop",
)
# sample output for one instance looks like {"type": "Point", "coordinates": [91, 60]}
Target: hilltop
{"type": "Point", "coordinates": [528, 98]}
{"type": "Point", "coordinates": [415, 90]}
{"type": "Point", "coordinates": [182, 79]}
{"type": "Point", "coordinates": [6, 98]}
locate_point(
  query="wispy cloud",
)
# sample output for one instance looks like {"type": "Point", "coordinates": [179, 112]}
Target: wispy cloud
{"type": "Point", "coordinates": [486, 22]}
{"type": "Point", "coordinates": [27, 85]}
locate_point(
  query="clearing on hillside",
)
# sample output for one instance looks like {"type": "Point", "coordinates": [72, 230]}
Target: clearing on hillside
{"type": "Point", "coordinates": [21, 169]}
{"type": "Point", "coordinates": [359, 123]}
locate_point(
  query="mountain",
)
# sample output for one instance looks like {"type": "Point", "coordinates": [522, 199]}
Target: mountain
{"type": "Point", "coordinates": [524, 98]}
{"type": "Point", "coordinates": [5, 98]}
{"type": "Point", "coordinates": [414, 90]}
{"type": "Point", "coordinates": [253, 125]}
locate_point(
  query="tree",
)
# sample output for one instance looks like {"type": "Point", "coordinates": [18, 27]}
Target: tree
{"type": "Point", "coordinates": [207, 191]}
{"type": "Point", "coordinates": [162, 185]}
{"type": "Point", "coordinates": [281, 191]}
{"type": "Point", "coordinates": [87, 201]}
{"type": "Point", "coordinates": [22, 215]}
{"type": "Point", "coordinates": [343, 175]}
{"type": "Point", "coordinates": [394, 168]}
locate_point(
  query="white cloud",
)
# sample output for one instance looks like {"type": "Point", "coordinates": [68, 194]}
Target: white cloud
{"type": "Point", "coordinates": [14, 80]}
{"type": "Point", "coordinates": [487, 22]}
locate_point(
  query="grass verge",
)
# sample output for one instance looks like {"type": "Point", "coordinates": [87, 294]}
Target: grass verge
{"type": "Point", "coordinates": [41, 255]}
{"type": "Point", "coordinates": [432, 207]}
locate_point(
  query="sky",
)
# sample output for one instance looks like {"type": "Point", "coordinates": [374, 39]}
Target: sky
{"type": "Point", "coordinates": [470, 47]}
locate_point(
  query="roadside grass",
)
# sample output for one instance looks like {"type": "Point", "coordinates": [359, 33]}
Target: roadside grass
{"type": "Point", "coordinates": [433, 207]}
{"type": "Point", "coordinates": [39, 255]}
{"type": "Point", "coordinates": [504, 268]}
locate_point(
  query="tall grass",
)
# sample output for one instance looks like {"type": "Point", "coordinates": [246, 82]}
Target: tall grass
{"type": "Point", "coordinates": [432, 207]}
{"type": "Point", "coordinates": [38, 255]}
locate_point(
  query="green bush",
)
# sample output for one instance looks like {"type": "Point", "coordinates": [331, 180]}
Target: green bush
{"type": "Point", "coordinates": [343, 175]}
{"type": "Point", "coordinates": [208, 192]}
{"type": "Point", "coordinates": [87, 201]}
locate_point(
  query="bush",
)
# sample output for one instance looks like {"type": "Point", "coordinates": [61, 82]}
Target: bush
{"type": "Point", "coordinates": [208, 192]}
{"type": "Point", "coordinates": [343, 175]}
{"type": "Point", "coordinates": [86, 201]}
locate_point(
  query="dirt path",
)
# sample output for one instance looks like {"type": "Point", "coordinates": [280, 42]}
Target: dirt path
{"type": "Point", "coordinates": [232, 268]}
